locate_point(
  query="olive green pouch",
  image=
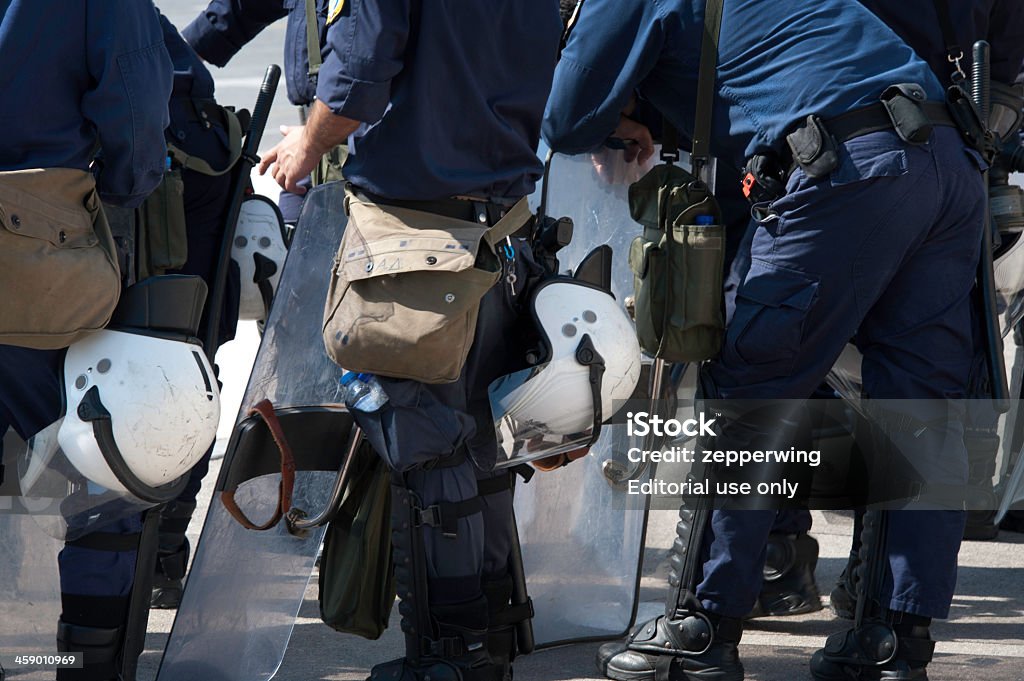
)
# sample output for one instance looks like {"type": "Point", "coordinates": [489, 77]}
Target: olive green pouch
{"type": "Point", "coordinates": [163, 238]}
{"type": "Point", "coordinates": [357, 584]}
{"type": "Point", "coordinates": [677, 266]}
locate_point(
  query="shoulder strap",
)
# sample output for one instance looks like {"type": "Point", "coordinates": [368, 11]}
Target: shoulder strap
{"type": "Point", "coordinates": [954, 53]}
{"type": "Point", "coordinates": [701, 150]}
{"type": "Point", "coordinates": [312, 39]}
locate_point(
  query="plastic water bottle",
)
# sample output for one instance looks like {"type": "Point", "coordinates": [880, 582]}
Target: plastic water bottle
{"type": "Point", "coordinates": [363, 392]}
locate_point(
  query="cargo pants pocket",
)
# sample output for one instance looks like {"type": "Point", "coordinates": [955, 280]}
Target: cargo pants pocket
{"type": "Point", "coordinates": [768, 327]}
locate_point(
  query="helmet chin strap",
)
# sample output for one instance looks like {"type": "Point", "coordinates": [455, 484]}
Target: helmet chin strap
{"type": "Point", "coordinates": [588, 356]}
{"type": "Point", "coordinates": [91, 410]}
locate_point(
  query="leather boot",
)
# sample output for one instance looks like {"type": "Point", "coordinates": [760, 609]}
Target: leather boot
{"type": "Point", "coordinates": [789, 587]}
{"type": "Point", "coordinates": [701, 646]}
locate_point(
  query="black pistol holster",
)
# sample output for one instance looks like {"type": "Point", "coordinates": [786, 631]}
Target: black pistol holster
{"type": "Point", "coordinates": [764, 178]}
{"type": "Point", "coordinates": [975, 133]}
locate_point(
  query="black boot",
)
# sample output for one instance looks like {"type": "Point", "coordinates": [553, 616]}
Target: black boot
{"type": "Point", "coordinates": [169, 578]}
{"type": "Point", "coordinates": [789, 587]}
{"type": "Point", "coordinates": [877, 651]}
{"type": "Point", "coordinates": [843, 598]}
{"type": "Point", "coordinates": [700, 646]}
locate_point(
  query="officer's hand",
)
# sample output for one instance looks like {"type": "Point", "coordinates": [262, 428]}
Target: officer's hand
{"type": "Point", "coordinates": [642, 147]}
{"type": "Point", "coordinates": [291, 160]}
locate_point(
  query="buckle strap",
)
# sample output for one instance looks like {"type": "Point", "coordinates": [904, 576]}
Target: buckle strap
{"type": "Point", "coordinates": [513, 614]}
{"type": "Point", "coordinates": [446, 514]}
{"type": "Point", "coordinates": [107, 541]}
{"type": "Point", "coordinates": [445, 647]}
{"type": "Point", "coordinates": [485, 487]}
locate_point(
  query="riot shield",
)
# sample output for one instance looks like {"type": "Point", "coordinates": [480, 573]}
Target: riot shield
{"type": "Point", "coordinates": [582, 532]}
{"type": "Point", "coordinates": [245, 587]}
{"type": "Point", "coordinates": [29, 579]}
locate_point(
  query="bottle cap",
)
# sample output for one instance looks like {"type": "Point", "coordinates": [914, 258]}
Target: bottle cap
{"type": "Point", "coordinates": [705, 219]}
{"type": "Point", "coordinates": [348, 377]}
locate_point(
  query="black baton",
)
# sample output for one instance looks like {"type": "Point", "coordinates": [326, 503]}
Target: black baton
{"type": "Point", "coordinates": [981, 93]}
{"type": "Point", "coordinates": [247, 161]}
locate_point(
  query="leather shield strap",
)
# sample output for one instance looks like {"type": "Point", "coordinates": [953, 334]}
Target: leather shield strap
{"type": "Point", "coordinates": [265, 410]}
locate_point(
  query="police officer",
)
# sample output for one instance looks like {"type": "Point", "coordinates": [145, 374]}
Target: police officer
{"type": "Point", "coordinates": [225, 26]}
{"type": "Point", "coordinates": [455, 94]}
{"type": "Point", "coordinates": [98, 78]}
{"type": "Point", "coordinates": [204, 152]}
{"type": "Point", "coordinates": [923, 25]}
{"type": "Point", "coordinates": [818, 274]}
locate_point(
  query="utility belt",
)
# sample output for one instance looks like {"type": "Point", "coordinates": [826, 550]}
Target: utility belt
{"type": "Point", "coordinates": [813, 145]}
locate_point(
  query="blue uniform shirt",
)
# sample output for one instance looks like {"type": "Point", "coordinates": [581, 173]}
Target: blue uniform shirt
{"type": "Point", "coordinates": [227, 25]}
{"type": "Point", "coordinates": [1000, 22]}
{"type": "Point", "coordinates": [191, 77]}
{"type": "Point", "coordinates": [77, 74]}
{"type": "Point", "coordinates": [779, 62]}
{"type": "Point", "coordinates": [454, 90]}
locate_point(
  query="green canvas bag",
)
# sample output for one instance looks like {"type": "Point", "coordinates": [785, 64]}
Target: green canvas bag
{"type": "Point", "coordinates": [357, 585]}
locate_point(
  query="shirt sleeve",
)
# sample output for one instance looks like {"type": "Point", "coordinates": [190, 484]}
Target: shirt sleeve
{"type": "Point", "coordinates": [127, 103]}
{"type": "Point", "coordinates": [613, 47]}
{"type": "Point", "coordinates": [363, 54]}
{"type": "Point", "coordinates": [227, 25]}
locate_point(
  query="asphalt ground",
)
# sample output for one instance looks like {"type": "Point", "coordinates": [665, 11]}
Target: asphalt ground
{"type": "Point", "coordinates": [983, 640]}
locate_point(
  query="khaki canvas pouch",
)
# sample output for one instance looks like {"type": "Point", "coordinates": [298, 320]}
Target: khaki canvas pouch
{"type": "Point", "coordinates": [59, 277]}
{"type": "Point", "coordinates": [406, 287]}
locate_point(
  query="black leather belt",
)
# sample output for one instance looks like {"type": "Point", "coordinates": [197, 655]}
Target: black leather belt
{"type": "Point", "coordinates": [875, 118]}
{"type": "Point", "coordinates": [467, 208]}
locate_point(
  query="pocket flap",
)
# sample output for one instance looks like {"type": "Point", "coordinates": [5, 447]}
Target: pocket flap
{"type": "Point", "coordinates": [775, 286]}
{"type": "Point", "coordinates": [638, 256]}
{"type": "Point", "coordinates": [30, 206]}
{"type": "Point", "coordinates": [383, 240]}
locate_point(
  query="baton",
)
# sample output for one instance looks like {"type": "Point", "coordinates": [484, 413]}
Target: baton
{"type": "Point", "coordinates": [981, 93]}
{"type": "Point", "coordinates": [248, 160]}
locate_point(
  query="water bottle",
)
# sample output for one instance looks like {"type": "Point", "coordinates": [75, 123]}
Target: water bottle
{"type": "Point", "coordinates": [363, 392]}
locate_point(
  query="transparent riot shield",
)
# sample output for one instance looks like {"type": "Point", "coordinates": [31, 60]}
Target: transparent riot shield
{"type": "Point", "coordinates": [245, 587]}
{"type": "Point", "coordinates": [29, 580]}
{"type": "Point", "coordinates": [582, 532]}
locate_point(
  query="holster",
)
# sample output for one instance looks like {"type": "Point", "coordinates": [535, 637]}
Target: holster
{"type": "Point", "coordinates": [965, 114]}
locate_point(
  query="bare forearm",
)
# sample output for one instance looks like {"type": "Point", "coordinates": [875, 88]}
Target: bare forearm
{"type": "Point", "coordinates": [326, 130]}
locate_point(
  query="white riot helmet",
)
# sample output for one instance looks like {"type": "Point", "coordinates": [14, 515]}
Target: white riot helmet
{"type": "Point", "coordinates": [141, 412]}
{"type": "Point", "coordinates": [259, 249]}
{"type": "Point", "coordinates": [592, 361]}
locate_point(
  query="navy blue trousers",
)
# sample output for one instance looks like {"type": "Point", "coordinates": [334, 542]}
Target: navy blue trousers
{"type": "Point", "coordinates": [423, 425]}
{"type": "Point", "coordinates": [883, 251]}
